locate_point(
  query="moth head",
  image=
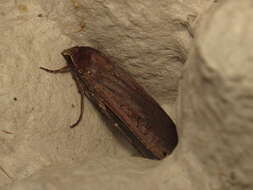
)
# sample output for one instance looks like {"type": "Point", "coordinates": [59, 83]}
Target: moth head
{"type": "Point", "coordinates": [84, 59]}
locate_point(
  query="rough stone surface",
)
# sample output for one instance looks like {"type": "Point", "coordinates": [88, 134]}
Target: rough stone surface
{"type": "Point", "coordinates": [150, 39]}
{"type": "Point", "coordinates": [216, 97]}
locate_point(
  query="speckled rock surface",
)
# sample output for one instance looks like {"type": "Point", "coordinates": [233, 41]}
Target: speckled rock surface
{"type": "Point", "coordinates": [151, 40]}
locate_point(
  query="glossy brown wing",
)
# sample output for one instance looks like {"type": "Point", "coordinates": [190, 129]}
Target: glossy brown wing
{"type": "Point", "coordinates": [148, 126]}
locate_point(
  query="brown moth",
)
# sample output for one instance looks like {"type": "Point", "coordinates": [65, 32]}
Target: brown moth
{"type": "Point", "coordinates": [121, 100]}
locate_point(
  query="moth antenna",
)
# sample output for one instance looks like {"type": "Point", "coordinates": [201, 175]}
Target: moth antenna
{"type": "Point", "coordinates": [80, 90]}
{"type": "Point", "coordinates": [65, 69]}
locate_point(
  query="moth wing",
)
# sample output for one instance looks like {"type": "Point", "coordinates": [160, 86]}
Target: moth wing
{"type": "Point", "coordinates": [134, 108]}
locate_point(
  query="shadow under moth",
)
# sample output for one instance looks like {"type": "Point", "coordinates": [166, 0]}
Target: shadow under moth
{"type": "Point", "coordinates": [121, 100]}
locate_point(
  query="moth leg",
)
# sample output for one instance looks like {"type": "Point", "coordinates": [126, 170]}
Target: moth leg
{"type": "Point", "coordinates": [81, 113]}
{"type": "Point", "coordinates": [65, 69]}
{"type": "Point", "coordinates": [81, 92]}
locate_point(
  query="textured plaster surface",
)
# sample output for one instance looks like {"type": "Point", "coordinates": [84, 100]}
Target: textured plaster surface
{"type": "Point", "coordinates": [216, 112]}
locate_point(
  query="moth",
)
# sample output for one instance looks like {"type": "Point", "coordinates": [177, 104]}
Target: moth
{"type": "Point", "coordinates": [121, 100]}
